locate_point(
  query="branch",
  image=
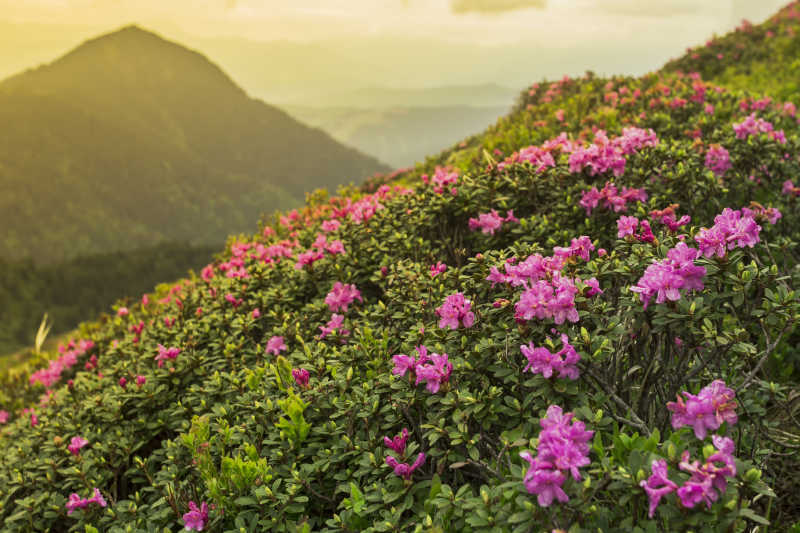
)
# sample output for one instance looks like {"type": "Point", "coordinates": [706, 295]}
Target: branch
{"type": "Point", "coordinates": [637, 422]}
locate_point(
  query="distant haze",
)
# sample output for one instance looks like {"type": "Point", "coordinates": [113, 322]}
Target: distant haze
{"type": "Point", "coordinates": [318, 52]}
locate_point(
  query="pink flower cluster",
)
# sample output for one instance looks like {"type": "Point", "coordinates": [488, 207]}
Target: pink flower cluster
{"type": "Point", "coordinates": [707, 482]}
{"type": "Point", "coordinates": [68, 358]}
{"type": "Point", "coordinates": [540, 158]}
{"type": "Point", "coordinates": [666, 278]}
{"type": "Point", "coordinates": [604, 154]}
{"type": "Point", "coordinates": [398, 445]}
{"type": "Point", "coordinates": [76, 502]}
{"type": "Point", "coordinates": [275, 345]}
{"type": "Point", "coordinates": [196, 518]}
{"type": "Point", "coordinates": [166, 354]}
{"type": "Point", "coordinates": [403, 469]}
{"type": "Point", "coordinates": [715, 404]}
{"type": "Point", "coordinates": [433, 369]}
{"type": "Point", "coordinates": [611, 198]}
{"type": "Point", "coordinates": [438, 268]}
{"type": "Point", "coordinates": [455, 311]}
{"type": "Point", "coordinates": [301, 377]}
{"type": "Point", "coordinates": [491, 221]}
{"type": "Point", "coordinates": [76, 444]}
{"type": "Point", "coordinates": [545, 299]}
{"type": "Point", "coordinates": [731, 229]}
{"type": "Point", "coordinates": [626, 227]}
{"type": "Point", "coordinates": [718, 160]}
{"type": "Point", "coordinates": [667, 217]}
{"type": "Point", "coordinates": [563, 446]}
{"type": "Point", "coordinates": [752, 126]}
{"type": "Point", "coordinates": [443, 177]}
{"type": "Point", "coordinates": [790, 189]}
{"type": "Point", "coordinates": [334, 325]}
{"type": "Point", "coordinates": [543, 361]}
{"type": "Point", "coordinates": [341, 296]}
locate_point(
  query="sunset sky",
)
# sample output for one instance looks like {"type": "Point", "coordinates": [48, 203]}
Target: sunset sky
{"type": "Point", "coordinates": [265, 45]}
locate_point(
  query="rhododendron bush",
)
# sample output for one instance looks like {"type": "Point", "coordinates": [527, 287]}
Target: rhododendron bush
{"type": "Point", "coordinates": [580, 322]}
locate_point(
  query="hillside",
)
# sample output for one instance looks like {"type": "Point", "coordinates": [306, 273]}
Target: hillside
{"type": "Point", "coordinates": [401, 136]}
{"type": "Point", "coordinates": [763, 58]}
{"type": "Point", "coordinates": [130, 140]}
{"type": "Point", "coordinates": [588, 322]}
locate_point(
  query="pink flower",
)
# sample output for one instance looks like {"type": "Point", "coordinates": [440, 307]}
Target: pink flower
{"type": "Point", "coordinates": [705, 411]}
{"type": "Point", "coordinates": [731, 229]}
{"type": "Point", "coordinates": [626, 226]}
{"type": "Point", "coordinates": [455, 310]}
{"type": "Point", "coordinates": [256, 313]}
{"type": "Point", "coordinates": [76, 502]}
{"type": "Point", "coordinates": [123, 382]}
{"type": "Point", "coordinates": [330, 225]}
{"type": "Point", "coordinates": [402, 469]}
{"type": "Point", "coordinates": [487, 222]}
{"type": "Point", "coordinates": [563, 446]}
{"type": "Point", "coordinates": [275, 345]}
{"type": "Point", "coordinates": [301, 377]}
{"type": "Point", "coordinates": [398, 443]}
{"type": "Point", "coordinates": [308, 258]}
{"type": "Point", "coordinates": [122, 311]}
{"type": "Point", "coordinates": [334, 324]}
{"type": "Point", "coordinates": [3, 416]}
{"type": "Point", "coordinates": [665, 278]}
{"type": "Point", "coordinates": [76, 444]}
{"type": "Point", "coordinates": [434, 372]}
{"type": "Point", "coordinates": [718, 160]}
{"type": "Point", "coordinates": [544, 480]}
{"type": "Point", "coordinates": [34, 420]}
{"type": "Point", "coordinates": [341, 296]}
{"type": "Point", "coordinates": [165, 354]}
{"type": "Point", "coordinates": [657, 485]}
{"type": "Point", "coordinates": [197, 517]}
{"type": "Point", "coordinates": [438, 268]}
{"type": "Point", "coordinates": [542, 361]}
{"type": "Point", "coordinates": [140, 381]}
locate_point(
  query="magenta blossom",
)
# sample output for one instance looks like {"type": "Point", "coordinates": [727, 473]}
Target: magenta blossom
{"type": "Point", "coordinates": [275, 345]}
{"type": "Point", "coordinates": [435, 372]}
{"type": "Point", "coordinates": [544, 480]}
{"type": "Point", "coordinates": [76, 444]}
{"type": "Point", "coordinates": [3, 416]}
{"type": "Point", "coordinates": [664, 279]}
{"type": "Point", "coordinates": [626, 226]}
{"type": "Point", "coordinates": [657, 485]}
{"type": "Point", "coordinates": [398, 443]}
{"type": "Point", "coordinates": [455, 310]}
{"type": "Point", "coordinates": [718, 160]}
{"type": "Point", "coordinates": [402, 469]}
{"type": "Point", "coordinates": [301, 377]}
{"type": "Point", "coordinates": [542, 361]}
{"type": "Point", "coordinates": [334, 324]}
{"type": "Point", "coordinates": [731, 229]}
{"type": "Point", "coordinates": [197, 517]}
{"type": "Point", "coordinates": [438, 268]}
{"type": "Point", "coordinates": [140, 380]}
{"type": "Point", "coordinates": [76, 502]}
{"type": "Point", "coordinates": [705, 411]}
{"type": "Point", "coordinates": [563, 447]}
{"type": "Point", "coordinates": [341, 296]}
{"type": "Point", "coordinates": [165, 354]}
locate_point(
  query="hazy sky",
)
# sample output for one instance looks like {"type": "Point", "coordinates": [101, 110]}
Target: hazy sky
{"type": "Point", "coordinates": [512, 41]}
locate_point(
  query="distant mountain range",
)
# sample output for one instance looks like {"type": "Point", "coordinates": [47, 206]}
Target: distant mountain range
{"type": "Point", "coordinates": [130, 140]}
{"type": "Point", "coordinates": [401, 136]}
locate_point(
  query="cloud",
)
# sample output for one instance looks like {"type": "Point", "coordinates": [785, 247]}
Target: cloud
{"type": "Point", "coordinates": [494, 6]}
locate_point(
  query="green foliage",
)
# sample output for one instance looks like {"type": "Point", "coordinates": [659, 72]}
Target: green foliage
{"type": "Point", "coordinates": [225, 423]}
